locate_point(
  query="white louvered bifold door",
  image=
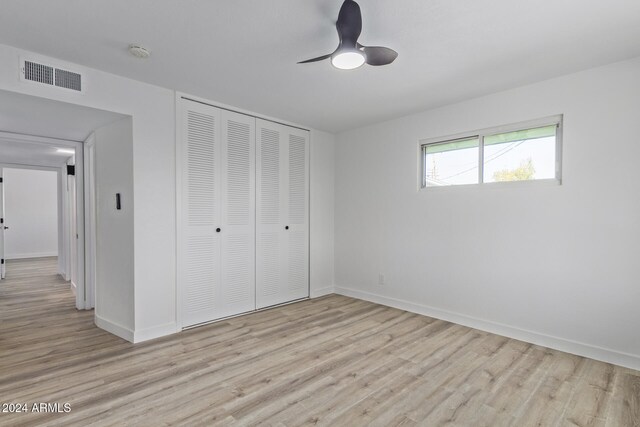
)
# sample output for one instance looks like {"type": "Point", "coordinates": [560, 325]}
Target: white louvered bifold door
{"type": "Point", "coordinates": [199, 255]}
{"type": "Point", "coordinates": [282, 221]}
{"type": "Point", "coordinates": [216, 257]}
{"type": "Point", "coordinates": [237, 293]}
{"type": "Point", "coordinates": [298, 213]}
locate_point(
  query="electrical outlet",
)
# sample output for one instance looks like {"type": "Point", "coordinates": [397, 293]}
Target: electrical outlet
{"type": "Point", "coordinates": [381, 279]}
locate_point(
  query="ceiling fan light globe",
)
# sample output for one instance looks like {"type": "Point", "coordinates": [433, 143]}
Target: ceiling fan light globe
{"type": "Point", "coordinates": [348, 60]}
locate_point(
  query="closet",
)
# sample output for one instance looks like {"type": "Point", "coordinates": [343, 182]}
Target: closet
{"type": "Point", "coordinates": [243, 217]}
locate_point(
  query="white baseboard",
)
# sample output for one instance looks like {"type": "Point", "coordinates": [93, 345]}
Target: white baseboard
{"type": "Point", "coordinates": [32, 255]}
{"type": "Point", "coordinates": [114, 328]}
{"type": "Point", "coordinates": [73, 287]}
{"type": "Point", "coordinates": [581, 349]}
{"type": "Point", "coordinates": [315, 293]}
{"type": "Point", "coordinates": [155, 332]}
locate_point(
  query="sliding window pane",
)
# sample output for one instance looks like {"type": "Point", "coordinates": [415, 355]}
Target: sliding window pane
{"type": "Point", "coordinates": [520, 156]}
{"type": "Point", "coordinates": [451, 163]}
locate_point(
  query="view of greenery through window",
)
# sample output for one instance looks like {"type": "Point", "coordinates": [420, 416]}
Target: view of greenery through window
{"type": "Point", "coordinates": [523, 172]}
{"type": "Point", "coordinates": [513, 156]}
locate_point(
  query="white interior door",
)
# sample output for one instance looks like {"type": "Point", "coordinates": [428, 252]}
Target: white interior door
{"type": "Point", "coordinates": [282, 233]}
{"type": "Point", "coordinates": [270, 212]}
{"type": "Point", "coordinates": [199, 251]}
{"type": "Point", "coordinates": [298, 213]}
{"type": "Point", "coordinates": [3, 226]}
{"type": "Point", "coordinates": [237, 290]}
{"type": "Point", "coordinates": [217, 216]}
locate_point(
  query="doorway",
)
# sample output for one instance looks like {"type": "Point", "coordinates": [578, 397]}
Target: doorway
{"type": "Point", "coordinates": [43, 205]}
{"type": "Point", "coordinates": [30, 206]}
{"type": "Point", "coordinates": [97, 255]}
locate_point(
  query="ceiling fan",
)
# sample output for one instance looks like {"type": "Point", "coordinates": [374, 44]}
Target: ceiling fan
{"type": "Point", "coordinates": [350, 54]}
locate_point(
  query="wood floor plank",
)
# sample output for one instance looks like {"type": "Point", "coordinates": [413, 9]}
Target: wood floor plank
{"type": "Point", "coordinates": [630, 388]}
{"type": "Point", "coordinates": [331, 361]}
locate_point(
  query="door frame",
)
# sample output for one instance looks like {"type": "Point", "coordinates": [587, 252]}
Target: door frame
{"type": "Point", "coordinates": [90, 220]}
{"type": "Point", "coordinates": [78, 146]}
{"type": "Point", "coordinates": [5, 165]}
{"type": "Point", "coordinates": [2, 225]}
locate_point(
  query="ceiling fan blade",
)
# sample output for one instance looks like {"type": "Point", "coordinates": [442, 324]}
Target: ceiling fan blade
{"type": "Point", "coordinates": [349, 23]}
{"type": "Point", "coordinates": [319, 58]}
{"type": "Point", "coordinates": [378, 55]}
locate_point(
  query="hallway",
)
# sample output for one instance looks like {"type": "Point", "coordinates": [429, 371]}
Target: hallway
{"type": "Point", "coordinates": [34, 284]}
{"type": "Point", "coordinates": [42, 336]}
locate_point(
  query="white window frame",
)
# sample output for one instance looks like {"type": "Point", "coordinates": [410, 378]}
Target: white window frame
{"type": "Point", "coordinates": [481, 134]}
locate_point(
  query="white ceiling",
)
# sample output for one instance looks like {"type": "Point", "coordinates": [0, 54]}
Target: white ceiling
{"type": "Point", "coordinates": [30, 154]}
{"type": "Point", "coordinates": [244, 52]}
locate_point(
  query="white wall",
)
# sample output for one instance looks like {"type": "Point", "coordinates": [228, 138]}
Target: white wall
{"type": "Point", "coordinates": [31, 213]}
{"type": "Point", "coordinates": [555, 265]}
{"type": "Point", "coordinates": [152, 111]}
{"type": "Point", "coordinates": [322, 205]}
{"type": "Point", "coordinates": [115, 228]}
{"type": "Point", "coordinates": [153, 264]}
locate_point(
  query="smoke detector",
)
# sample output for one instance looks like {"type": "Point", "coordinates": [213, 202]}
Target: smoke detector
{"type": "Point", "coordinates": [139, 51]}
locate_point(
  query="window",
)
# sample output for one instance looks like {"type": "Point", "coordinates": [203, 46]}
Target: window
{"type": "Point", "coordinates": [524, 152]}
{"type": "Point", "coordinates": [452, 162]}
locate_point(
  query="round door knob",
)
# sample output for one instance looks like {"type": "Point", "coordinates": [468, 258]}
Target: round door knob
{"type": "Point", "coordinates": [218, 230]}
{"type": "Point", "coordinates": [286, 227]}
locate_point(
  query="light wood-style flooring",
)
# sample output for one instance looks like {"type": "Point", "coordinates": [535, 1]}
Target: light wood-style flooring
{"type": "Point", "coordinates": [332, 361]}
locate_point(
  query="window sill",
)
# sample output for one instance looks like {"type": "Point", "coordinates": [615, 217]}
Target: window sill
{"type": "Point", "coordinates": [553, 182]}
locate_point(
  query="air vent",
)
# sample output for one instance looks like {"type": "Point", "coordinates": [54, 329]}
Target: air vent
{"type": "Point", "coordinates": [51, 75]}
{"type": "Point", "coordinates": [68, 79]}
{"type": "Point", "coordinates": [38, 72]}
